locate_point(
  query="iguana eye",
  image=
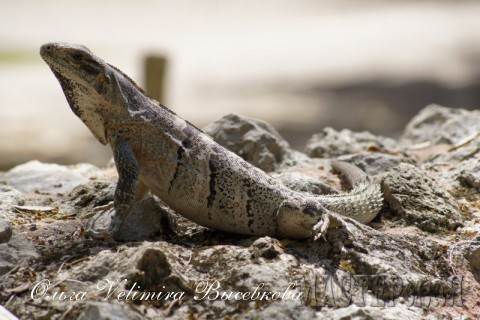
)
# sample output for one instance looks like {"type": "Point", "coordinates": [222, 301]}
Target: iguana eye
{"type": "Point", "coordinates": [77, 56]}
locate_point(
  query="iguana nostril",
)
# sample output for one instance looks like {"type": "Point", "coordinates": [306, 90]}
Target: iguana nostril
{"type": "Point", "coordinates": [46, 48]}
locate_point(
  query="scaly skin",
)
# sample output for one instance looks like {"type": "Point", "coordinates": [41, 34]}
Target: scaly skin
{"type": "Point", "coordinates": [156, 150]}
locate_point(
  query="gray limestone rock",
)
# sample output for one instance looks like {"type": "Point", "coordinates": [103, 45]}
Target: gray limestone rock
{"type": "Point", "coordinates": [254, 140]}
{"type": "Point", "coordinates": [49, 178]}
{"type": "Point", "coordinates": [107, 311]}
{"type": "Point", "coordinates": [155, 266]}
{"type": "Point", "coordinates": [373, 313]}
{"type": "Point", "coordinates": [468, 173]}
{"type": "Point", "coordinates": [17, 252]}
{"type": "Point", "coordinates": [281, 310]}
{"type": "Point", "coordinates": [412, 195]}
{"type": "Point", "coordinates": [266, 247]}
{"type": "Point", "coordinates": [91, 194]}
{"type": "Point", "coordinates": [465, 174]}
{"type": "Point", "coordinates": [437, 124]}
{"type": "Point", "coordinates": [9, 196]}
{"type": "Point", "coordinates": [374, 163]}
{"type": "Point", "coordinates": [5, 231]}
{"type": "Point", "coordinates": [473, 254]}
{"type": "Point", "coordinates": [330, 143]}
{"type": "Point", "coordinates": [470, 150]}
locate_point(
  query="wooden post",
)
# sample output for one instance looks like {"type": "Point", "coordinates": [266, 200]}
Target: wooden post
{"type": "Point", "coordinates": [155, 71]}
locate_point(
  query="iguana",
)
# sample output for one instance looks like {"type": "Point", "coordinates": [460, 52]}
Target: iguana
{"type": "Point", "coordinates": [156, 150]}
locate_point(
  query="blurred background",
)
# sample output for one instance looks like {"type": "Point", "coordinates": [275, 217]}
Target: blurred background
{"type": "Point", "coordinates": [299, 65]}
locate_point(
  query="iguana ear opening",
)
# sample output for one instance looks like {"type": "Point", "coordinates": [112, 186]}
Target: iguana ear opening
{"type": "Point", "coordinates": [101, 83]}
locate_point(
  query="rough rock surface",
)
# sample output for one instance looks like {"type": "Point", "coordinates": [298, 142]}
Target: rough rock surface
{"type": "Point", "coordinates": [374, 163]}
{"type": "Point", "coordinates": [42, 177]}
{"type": "Point", "coordinates": [107, 311]}
{"type": "Point", "coordinates": [254, 140]}
{"type": "Point", "coordinates": [331, 143]}
{"type": "Point", "coordinates": [419, 200]}
{"type": "Point", "coordinates": [415, 261]}
{"type": "Point", "coordinates": [438, 125]}
{"type": "Point", "coordinates": [18, 251]}
{"type": "Point", "coordinates": [443, 135]}
{"type": "Point", "coordinates": [5, 231]}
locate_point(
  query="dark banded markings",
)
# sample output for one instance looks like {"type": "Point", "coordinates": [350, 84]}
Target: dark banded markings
{"type": "Point", "coordinates": [213, 167]}
{"type": "Point", "coordinates": [180, 153]}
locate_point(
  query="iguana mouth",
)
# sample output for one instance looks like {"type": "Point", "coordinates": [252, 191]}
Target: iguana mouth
{"type": "Point", "coordinates": [47, 52]}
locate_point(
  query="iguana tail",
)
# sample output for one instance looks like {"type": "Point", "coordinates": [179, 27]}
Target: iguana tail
{"type": "Point", "coordinates": [364, 201]}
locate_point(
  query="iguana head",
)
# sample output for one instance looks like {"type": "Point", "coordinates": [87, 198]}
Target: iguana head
{"type": "Point", "coordinates": [89, 84]}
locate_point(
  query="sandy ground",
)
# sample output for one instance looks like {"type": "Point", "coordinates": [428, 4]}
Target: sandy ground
{"type": "Point", "coordinates": [300, 65]}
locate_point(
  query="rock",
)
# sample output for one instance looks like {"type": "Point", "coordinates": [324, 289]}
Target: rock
{"type": "Point", "coordinates": [91, 194]}
{"type": "Point", "coordinates": [153, 266]}
{"type": "Point", "coordinates": [5, 266]}
{"type": "Point", "coordinates": [281, 310]}
{"type": "Point", "coordinates": [444, 135]}
{"type": "Point", "coordinates": [5, 231]}
{"type": "Point", "coordinates": [266, 247]}
{"type": "Point", "coordinates": [419, 199]}
{"type": "Point", "coordinates": [437, 124]}
{"type": "Point", "coordinates": [465, 174]}
{"type": "Point", "coordinates": [469, 151]}
{"type": "Point", "coordinates": [330, 143]}
{"type": "Point", "coordinates": [373, 313]}
{"type": "Point", "coordinates": [48, 178]}
{"type": "Point", "coordinates": [374, 163]}
{"type": "Point", "coordinates": [8, 196]}
{"type": "Point", "coordinates": [107, 311]}
{"type": "Point", "coordinates": [473, 255]}
{"type": "Point", "coordinates": [273, 276]}
{"type": "Point", "coordinates": [468, 173]}
{"type": "Point", "coordinates": [254, 140]}
{"type": "Point", "coordinates": [17, 252]}
{"type": "Point", "coordinates": [370, 253]}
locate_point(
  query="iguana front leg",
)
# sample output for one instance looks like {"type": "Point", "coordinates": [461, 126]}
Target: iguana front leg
{"type": "Point", "coordinates": [130, 189]}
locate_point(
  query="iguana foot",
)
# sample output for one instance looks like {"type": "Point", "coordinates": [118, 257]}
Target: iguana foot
{"type": "Point", "coordinates": [332, 220]}
{"type": "Point", "coordinates": [319, 230]}
{"type": "Point", "coordinates": [97, 225]}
